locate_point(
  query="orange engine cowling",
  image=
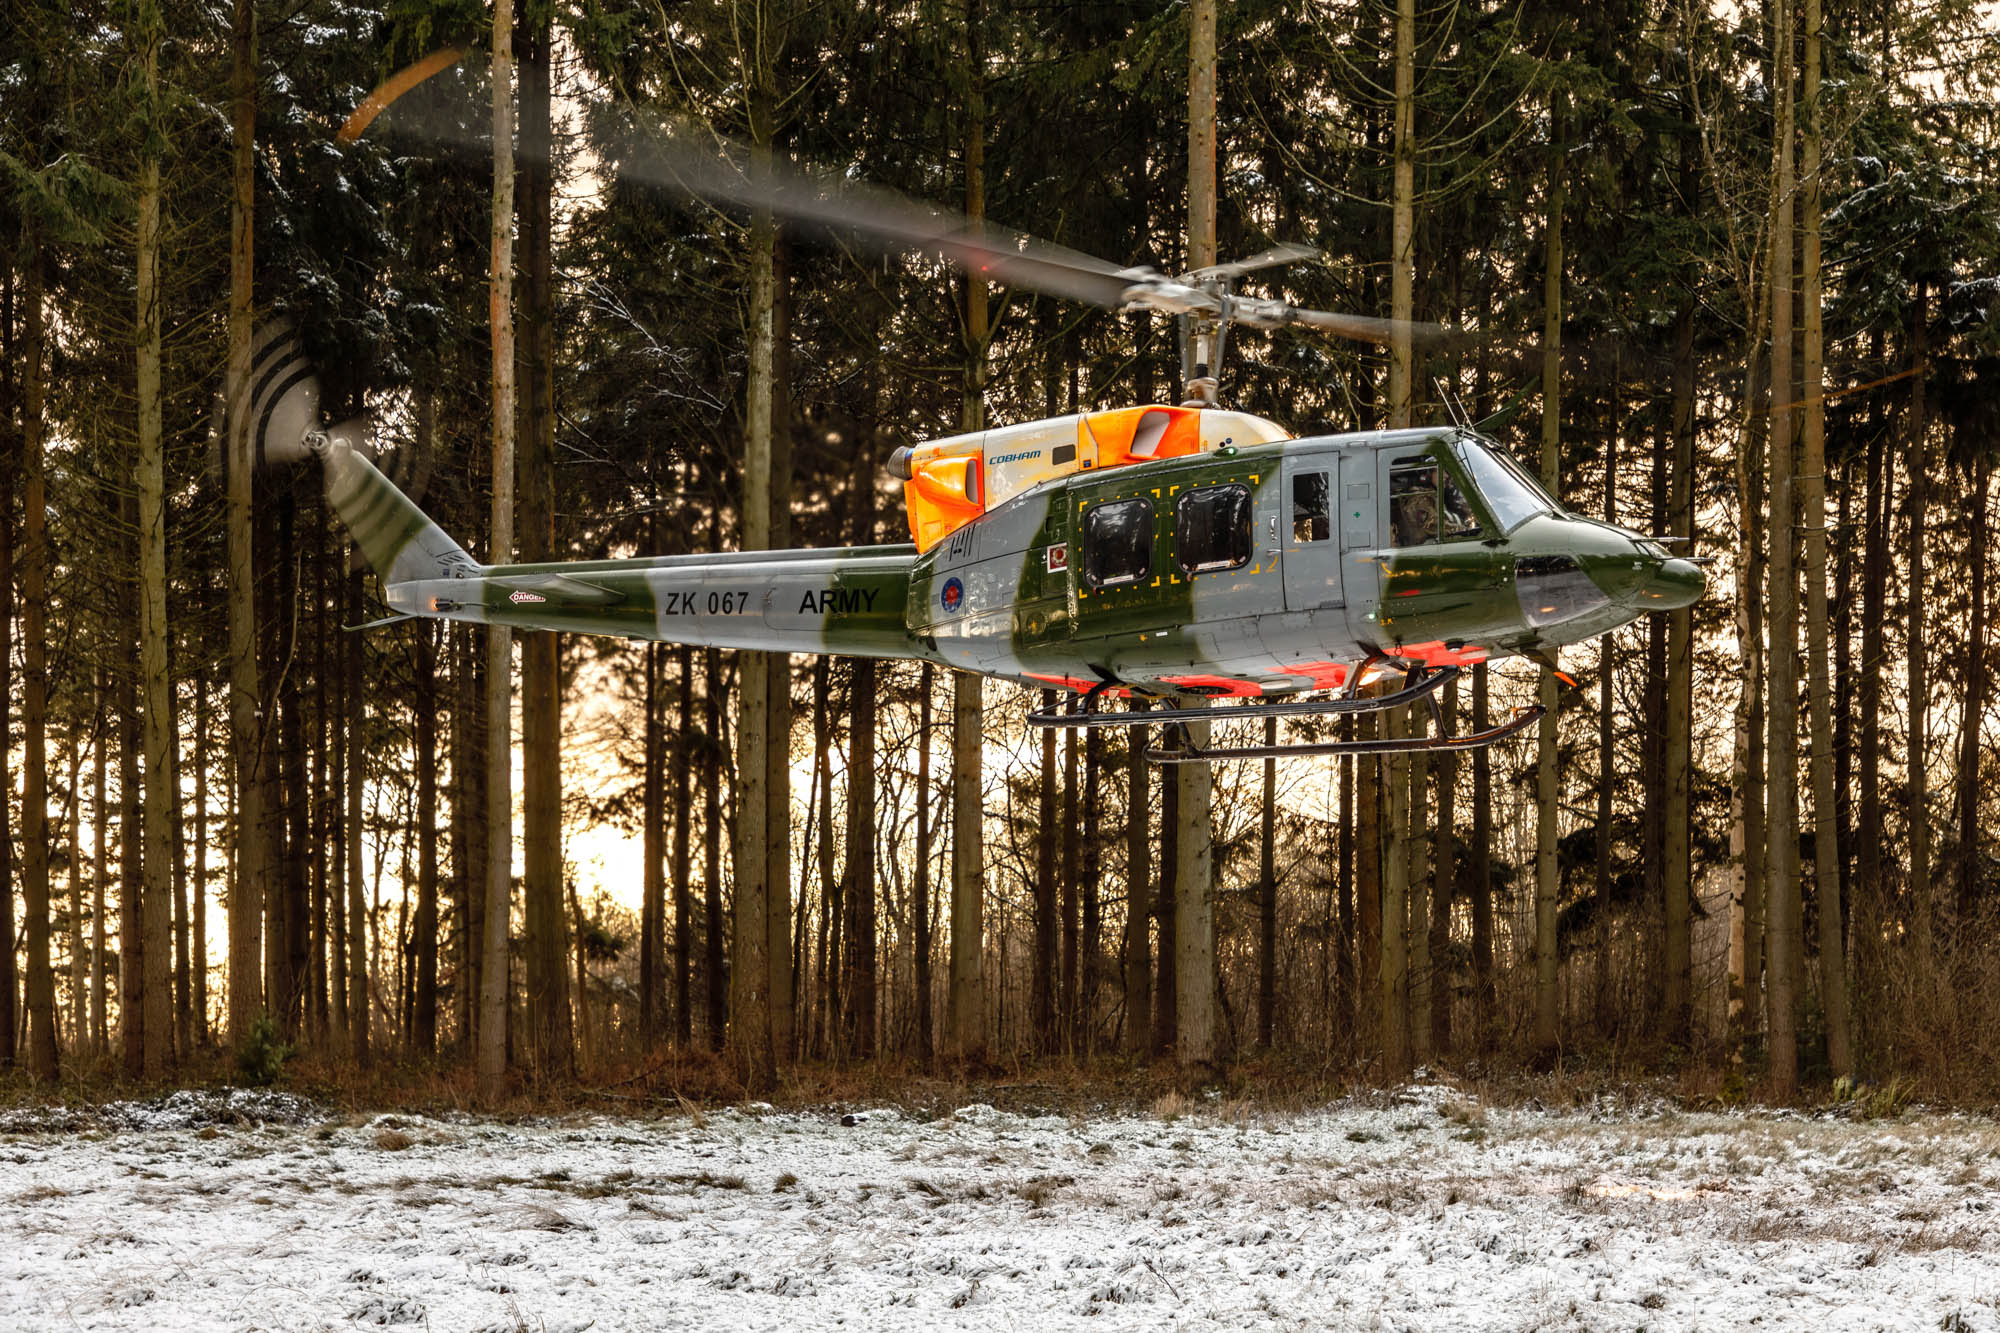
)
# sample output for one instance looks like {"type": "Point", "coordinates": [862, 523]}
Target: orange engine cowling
{"type": "Point", "coordinates": [943, 494]}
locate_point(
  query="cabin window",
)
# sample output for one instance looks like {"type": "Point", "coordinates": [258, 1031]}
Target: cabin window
{"type": "Point", "coordinates": [1212, 528]}
{"type": "Point", "coordinates": [1117, 543]}
{"type": "Point", "coordinates": [1311, 506]}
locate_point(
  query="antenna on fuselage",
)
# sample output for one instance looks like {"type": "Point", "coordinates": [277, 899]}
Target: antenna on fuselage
{"type": "Point", "coordinates": [1460, 418]}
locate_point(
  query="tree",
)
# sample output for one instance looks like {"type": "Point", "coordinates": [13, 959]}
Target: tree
{"type": "Point", "coordinates": [494, 981]}
{"type": "Point", "coordinates": [149, 478]}
{"type": "Point", "coordinates": [1812, 518]}
{"type": "Point", "coordinates": [967, 1009]}
{"type": "Point", "coordinates": [251, 861]}
{"type": "Point", "coordinates": [1783, 931]}
{"type": "Point", "coordinates": [1548, 993]}
{"type": "Point", "coordinates": [544, 936]}
{"type": "Point", "coordinates": [41, 999]}
{"type": "Point", "coordinates": [1194, 925]}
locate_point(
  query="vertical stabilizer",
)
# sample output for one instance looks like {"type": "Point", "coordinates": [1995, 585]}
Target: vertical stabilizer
{"type": "Point", "coordinates": [400, 541]}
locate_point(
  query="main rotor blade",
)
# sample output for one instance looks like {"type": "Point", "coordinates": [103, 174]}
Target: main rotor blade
{"type": "Point", "coordinates": [1288, 253]}
{"type": "Point", "coordinates": [1368, 329]}
{"type": "Point", "coordinates": [652, 151]}
{"type": "Point", "coordinates": [880, 220]}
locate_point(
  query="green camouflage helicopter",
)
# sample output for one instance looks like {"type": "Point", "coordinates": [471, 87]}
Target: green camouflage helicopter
{"type": "Point", "coordinates": [1161, 550]}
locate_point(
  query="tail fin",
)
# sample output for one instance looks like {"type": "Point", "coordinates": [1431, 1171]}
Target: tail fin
{"type": "Point", "coordinates": [399, 540]}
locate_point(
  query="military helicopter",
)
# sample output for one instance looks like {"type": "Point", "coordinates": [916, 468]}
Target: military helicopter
{"type": "Point", "coordinates": [1157, 550]}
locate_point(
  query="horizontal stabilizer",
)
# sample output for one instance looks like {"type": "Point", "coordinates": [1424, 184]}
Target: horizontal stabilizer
{"type": "Point", "coordinates": [383, 623]}
{"type": "Point", "coordinates": [554, 588]}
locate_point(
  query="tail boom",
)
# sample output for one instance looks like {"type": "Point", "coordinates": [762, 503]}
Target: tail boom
{"type": "Point", "coordinates": [848, 601]}
{"type": "Point", "coordinates": [824, 601]}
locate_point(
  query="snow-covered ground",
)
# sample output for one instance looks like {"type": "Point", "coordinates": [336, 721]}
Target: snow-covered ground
{"type": "Point", "coordinates": [1417, 1210]}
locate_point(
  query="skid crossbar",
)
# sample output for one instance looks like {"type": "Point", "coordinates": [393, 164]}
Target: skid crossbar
{"type": "Point", "coordinates": [1419, 684]}
{"type": "Point", "coordinates": [1187, 754]}
{"type": "Point", "coordinates": [1090, 716]}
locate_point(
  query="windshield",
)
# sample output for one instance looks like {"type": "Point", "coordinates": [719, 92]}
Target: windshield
{"type": "Point", "coordinates": [1509, 491]}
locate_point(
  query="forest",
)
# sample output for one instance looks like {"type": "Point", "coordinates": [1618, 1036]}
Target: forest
{"type": "Point", "coordinates": [1728, 275]}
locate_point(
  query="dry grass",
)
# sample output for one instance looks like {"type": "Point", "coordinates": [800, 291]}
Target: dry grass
{"type": "Point", "coordinates": [1944, 1037]}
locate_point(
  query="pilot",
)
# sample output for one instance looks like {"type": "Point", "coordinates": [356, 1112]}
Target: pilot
{"type": "Point", "coordinates": [1413, 505]}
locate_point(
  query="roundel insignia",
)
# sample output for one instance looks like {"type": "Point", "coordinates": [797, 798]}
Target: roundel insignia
{"type": "Point", "coordinates": [952, 595]}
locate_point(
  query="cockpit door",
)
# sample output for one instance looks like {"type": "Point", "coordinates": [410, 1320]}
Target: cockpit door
{"type": "Point", "coordinates": [1309, 521]}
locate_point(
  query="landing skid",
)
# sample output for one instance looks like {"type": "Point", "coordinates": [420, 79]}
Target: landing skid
{"type": "Point", "coordinates": [1420, 683]}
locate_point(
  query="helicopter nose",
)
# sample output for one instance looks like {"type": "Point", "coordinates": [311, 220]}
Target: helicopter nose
{"type": "Point", "coordinates": [1675, 584]}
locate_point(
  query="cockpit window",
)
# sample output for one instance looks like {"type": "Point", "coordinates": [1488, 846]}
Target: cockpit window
{"type": "Point", "coordinates": [1426, 505]}
{"type": "Point", "coordinates": [1510, 492]}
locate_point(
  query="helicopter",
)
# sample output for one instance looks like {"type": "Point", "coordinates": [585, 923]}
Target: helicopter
{"type": "Point", "coordinates": [1182, 553]}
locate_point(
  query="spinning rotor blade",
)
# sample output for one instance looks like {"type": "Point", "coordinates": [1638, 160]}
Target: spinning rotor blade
{"type": "Point", "coordinates": [1364, 328]}
{"type": "Point", "coordinates": [885, 222]}
{"type": "Point", "coordinates": [1287, 253]}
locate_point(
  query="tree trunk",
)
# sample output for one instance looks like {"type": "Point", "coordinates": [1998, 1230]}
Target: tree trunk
{"type": "Point", "coordinates": [683, 863]}
{"type": "Point", "coordinates": [1194, 926]}
{"type": "Point", "coordinates": [1548, 981]}
{"type": "Point", "coordinates": [359, 967]}
{"type": "Point", "coordinates": [966, 1009]}
{"type": "Point", "coordinates": [41, 997]}
{"type": "Point", "coordinates": [468, 843]}
{"type": "Point", "coordinates": [1606, 761]}
{"type": "Point", "coordinates": [1748, 850]}
{"type": "Point", "coordinates": [1974, 710]}
{"type": "Point", "coordinates": [1267, 897]}
{"type": "Point", "coordinates": [1870, 893]}
{"type": "Point", "coordinates": [1347, 941]}
{"type": "Point", "coordinates": [149, 481]}
{"type": "Point", "coordinates": [652, 817]}
{"type": "Point", "coordinates": [1042, 968]}
{"type": "Point", "coordinates": [494, 969]}
{"type": "Point", "coordinates": [323, 722]}
{"type": "Point", "coordinates": [714, 957]}
{"type": "Point", "coordinates": [1066, 1008]}
{"type": "Point", "coordinates": [1393, 978]}
{"type": "Point", "coordinates": [1372, 1020]}
{"type": "Point", "coordinates": [423, 1012]}
{"type": "Point", "coordinates": [752, 1039]}
{"type": "Point", "coordinates": [1417, 897]}
{"type": "Point", "coordinates": [1093, 903]}
{"type": "Point", "coordinates": [544, 941]}
{"type": "Point", "coordinates": [921, 910]}
{"type": "Point", "coordinates": [131, 839]}
{"type": "Point", "coordinates": [859, 955]}
{"type": "Point", "coordinates": [1138, 891]}
{"type": "Point", "coordinates": [251, 857]}
{"type": "Point", "coordinates": [1784, 960]}
{"type": "Point", "coordinates": [1402, 224]}
{"type": "Point", "coordinates": [79, 947]}
{"type": "Point", "coordinates": [1444, 880]}
{"type": "Point", "coordinates": [778, 687]}
{"type": "Point", "coordinates": [968, 871]}
{"type": "Point", "coordinates": [100, 820]}
{"type": "Point", "coordinates": [1195, 1035]}
{"type": "Point", "coordinates": [1812, 519]}
{"type": "Point", "coordinates": [1166, 971]}
{"type": "Point", "coordinates": [32, 428]}
{"type": "Point", "coordinates": [1482, 866]}
{"type": "Point", "coordinates": [1917, 686]}
{"type": "Point", "coordinates": [1677, 879]}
